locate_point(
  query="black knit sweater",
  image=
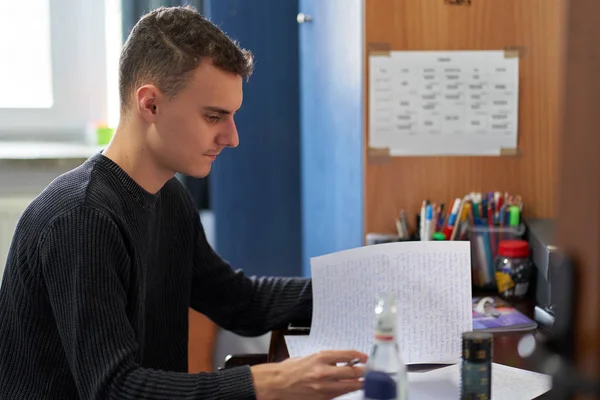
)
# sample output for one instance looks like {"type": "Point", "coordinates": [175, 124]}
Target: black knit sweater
{"type": "Point", "coordinates": [95, 296]}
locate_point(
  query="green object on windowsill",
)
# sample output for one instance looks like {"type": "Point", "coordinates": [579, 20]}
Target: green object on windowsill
{"type": "Point", "coordinates": [103, 135]}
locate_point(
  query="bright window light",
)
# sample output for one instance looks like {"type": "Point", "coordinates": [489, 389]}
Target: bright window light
{"type": "Point", "coordinates": [114, 43]}
{"type": "Point", "coordinates": [25, 58]}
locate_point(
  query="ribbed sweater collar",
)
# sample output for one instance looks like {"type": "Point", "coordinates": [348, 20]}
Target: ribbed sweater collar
{"type": "Point", "coordinates": [145, 198]}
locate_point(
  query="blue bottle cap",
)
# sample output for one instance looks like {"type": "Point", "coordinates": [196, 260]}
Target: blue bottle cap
{"type": "Point", "coordinates": [379, 386]}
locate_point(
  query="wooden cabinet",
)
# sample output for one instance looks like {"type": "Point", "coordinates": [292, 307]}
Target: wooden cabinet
{"type": "Point", "coordinates": [536, 28]}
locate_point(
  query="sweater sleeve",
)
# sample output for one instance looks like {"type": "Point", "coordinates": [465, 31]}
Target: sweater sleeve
{"type": "Point", "coordinates": [248, 306]}
{"type": "Point", "coordinates": [86, 268]}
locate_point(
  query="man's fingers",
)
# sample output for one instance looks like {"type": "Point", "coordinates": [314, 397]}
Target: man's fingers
{"type": "Point", "coordinates": [332, 380]}
{"type": "Point", "coordinates": [341, 373]}
{"type": "Point", "coordinates": [333, 357]}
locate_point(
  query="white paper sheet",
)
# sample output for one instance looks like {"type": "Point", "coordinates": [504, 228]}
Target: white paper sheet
{"type": "Point", "coordinates": [443, 102]}
{"type": "Point", "coordinates": [431, 282]}
{"type": "Point", "coordinates": [444, 384]}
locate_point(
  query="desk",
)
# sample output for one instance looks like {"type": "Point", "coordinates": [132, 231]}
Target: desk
{"type": "Point", "coordinates": [505, 344]}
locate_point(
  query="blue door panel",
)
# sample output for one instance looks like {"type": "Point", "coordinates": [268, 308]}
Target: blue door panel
{"type": "Point", "coordinates": [331, 113]}
{"type": "Point", "coordinates": [255, 188]}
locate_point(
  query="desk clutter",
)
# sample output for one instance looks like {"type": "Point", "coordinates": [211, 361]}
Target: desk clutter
{"type": "Point", "coordinates": [444, 383]}
{"type": "Point", "coordinates": [493, 224]}
{"type": "Point", "coordinates": [493, 314]}
{"type": "Point", "coordinates": [425, 287]}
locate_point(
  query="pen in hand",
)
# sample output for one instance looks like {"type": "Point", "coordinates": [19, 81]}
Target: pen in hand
{"type": "Point", "coordinates": [352, 363]}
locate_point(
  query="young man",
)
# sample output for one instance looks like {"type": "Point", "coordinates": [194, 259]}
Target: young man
{"type": "Point", "coordinates": [105, 263]}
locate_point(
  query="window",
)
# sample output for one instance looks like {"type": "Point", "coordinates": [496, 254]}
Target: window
{"type": "Point", "coordinates": [58, 67]}
{"type": "Point", "coordinates": [114, 44]}
{"type": "Point", "coordinates": [26, 69]}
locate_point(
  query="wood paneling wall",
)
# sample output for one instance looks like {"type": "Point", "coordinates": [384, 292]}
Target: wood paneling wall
{"type": "Point", "coordinates": [534, 26]}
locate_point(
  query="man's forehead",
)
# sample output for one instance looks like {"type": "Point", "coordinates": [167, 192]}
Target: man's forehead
{"type": "Point", "coordinates": [212, 77]}
{"type": "Point", "coordinates": [223, 88]}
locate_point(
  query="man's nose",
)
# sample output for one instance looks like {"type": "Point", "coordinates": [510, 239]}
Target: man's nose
{"type": "Point", "coordinates": [235, 139]}
{"type": "Point", "coordinates": [229, 136]}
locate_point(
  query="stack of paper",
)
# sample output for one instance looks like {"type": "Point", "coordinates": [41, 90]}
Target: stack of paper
{"type": "Point", "coordinates": [431, 282]}
{"type": "Point", "coordinates": [444, 383]}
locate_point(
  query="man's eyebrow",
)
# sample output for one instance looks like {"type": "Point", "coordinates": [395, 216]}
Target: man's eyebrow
{"type": "Point", "coordinates": [218, 110]}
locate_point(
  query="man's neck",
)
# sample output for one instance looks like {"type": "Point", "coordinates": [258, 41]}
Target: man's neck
{"type": "Point", "coordinates": [129, 152]}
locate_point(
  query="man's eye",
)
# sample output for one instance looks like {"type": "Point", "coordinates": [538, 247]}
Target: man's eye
{"type": "Point", "coordinates": [213, 118]}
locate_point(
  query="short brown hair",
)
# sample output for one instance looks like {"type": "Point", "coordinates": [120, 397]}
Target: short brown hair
{"type": "Point", "coordinates": [168, 44]}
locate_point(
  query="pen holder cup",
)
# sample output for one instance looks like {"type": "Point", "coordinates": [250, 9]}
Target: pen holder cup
{"type": "Point", "coordinates": [484, 249]}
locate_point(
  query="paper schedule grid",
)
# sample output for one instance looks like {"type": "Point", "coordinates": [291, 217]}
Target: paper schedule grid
{"type": "Point", "coordinates": [431, 282]}
{"type": "Point", "coordinates": [443, 102]}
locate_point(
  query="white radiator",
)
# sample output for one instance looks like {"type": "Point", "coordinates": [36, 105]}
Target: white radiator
{"type": "Point", "coordinates": [11, 209]}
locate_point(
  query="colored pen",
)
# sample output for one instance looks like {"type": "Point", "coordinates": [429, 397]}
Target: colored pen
{"type": "Point", "coordinates": [519, 201]}
{"type": "Point", "coordinates": [404, 224]}
{"type": "Point", "coordinates": [464, 229]}
{"type": "Point", "coordinates": [452, 219]}
{"type": "Point", "coordinates": [470, 213]}
{"type": "Point", "coordinates": [434, 219]}
{"type": "Point", "coordinates": [499, 203]}
{"type": "Point", "coordinates": [352, 363]}
{"type": "Point", "coordinates": [514, 216]}
{"type": "Point", "coordinates": [441, 218]}
{"type": "Point", "coordinates": [462, 224]}
{"type": "Point", "coordinates": [399, 229]}
{"type": "Point", "coordinates": [422, 222]}
{"type": "Point", "coordinates": [477, 206]}
{"type": "Point", "coordinates": [491, 202]}
{"type": "Point", "coordinates": [490, 213]}
{"type": "Point", "coordinates": [428, 217]}
{"type": "Point", "coordinates": [501, 219]}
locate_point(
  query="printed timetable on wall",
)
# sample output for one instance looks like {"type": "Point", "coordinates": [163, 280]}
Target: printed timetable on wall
{"type": "Point", "coordinates": [444, 102]}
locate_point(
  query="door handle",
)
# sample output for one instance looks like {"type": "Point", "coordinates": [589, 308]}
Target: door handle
{"type": "Point", "coordinates": [302, 18]}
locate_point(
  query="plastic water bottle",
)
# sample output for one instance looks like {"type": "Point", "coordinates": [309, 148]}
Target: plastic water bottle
{"type": "Point", "coordinates": [386, 377]}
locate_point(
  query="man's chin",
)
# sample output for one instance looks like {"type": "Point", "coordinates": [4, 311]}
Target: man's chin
{"type": "Point", "coordinates": [200, 172]}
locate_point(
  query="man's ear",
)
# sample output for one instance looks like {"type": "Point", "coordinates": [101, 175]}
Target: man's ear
{"type": "Point", "coordinates": [147, 102]}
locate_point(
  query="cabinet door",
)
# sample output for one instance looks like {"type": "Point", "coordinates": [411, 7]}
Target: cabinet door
{"type": "Point", "coordinates": [255, 188]}
{"type": "Point", "coordinates": [331, 115]}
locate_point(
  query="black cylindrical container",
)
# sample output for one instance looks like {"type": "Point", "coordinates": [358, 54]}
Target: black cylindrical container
{"type": "Point", "coordinates": [476, 369]}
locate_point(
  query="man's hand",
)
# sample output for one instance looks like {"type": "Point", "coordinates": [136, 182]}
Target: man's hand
{"type": "Point", "coordinates": [314, 377]}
